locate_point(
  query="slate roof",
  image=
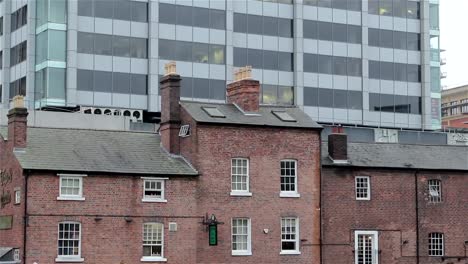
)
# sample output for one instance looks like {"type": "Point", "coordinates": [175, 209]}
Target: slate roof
{"type": "Point", "coordinates": [4, 251]}
{"type": "Point", "coordinates": [98, 151]}
{"type": "Point", "coordinates": [385, 155]}
{"type": "Point", "coordinates": [264, 117]}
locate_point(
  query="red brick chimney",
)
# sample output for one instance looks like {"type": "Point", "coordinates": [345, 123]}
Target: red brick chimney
{"type": "Point", "coordinates": [170, 109]}
{"type": "Point", "coordinates": [338, 145]}
{"type": "Point", "coordinates": [244, 91]}
{"type": "Point", "coordinates": [18, 123]}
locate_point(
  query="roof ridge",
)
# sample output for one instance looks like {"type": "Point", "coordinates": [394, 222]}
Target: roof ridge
{"type": "Point", "coordinates": [94, 130]}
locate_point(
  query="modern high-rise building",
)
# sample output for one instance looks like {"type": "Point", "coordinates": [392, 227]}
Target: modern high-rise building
{"type": "Point", "coordinates": [358, 62]}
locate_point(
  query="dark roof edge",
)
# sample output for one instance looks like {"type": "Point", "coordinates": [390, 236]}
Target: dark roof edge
{"type": "Point", "coordinates": [255, 125]}
{"type": "Point", "coordinates": [113, 173]}
{"type": "Point", "coordinates": [388, 168]}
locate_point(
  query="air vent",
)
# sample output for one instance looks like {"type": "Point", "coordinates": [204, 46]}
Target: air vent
{"type": "Point", "coordinates": [213, 112]}
{"type": "Point", "coordinates": [283, 116]}
{"type": "Point", "coordinates": [184, 131]}
{"type": "Point", "coordinates": [172, 227]}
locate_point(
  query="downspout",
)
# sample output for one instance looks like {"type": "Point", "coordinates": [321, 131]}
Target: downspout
{"type": "Point", "coordinates": [25, 217]}
{"type": "Point", "coordinates": [320, 197]}
{"type": "Point", "coordinates": [417, 213]}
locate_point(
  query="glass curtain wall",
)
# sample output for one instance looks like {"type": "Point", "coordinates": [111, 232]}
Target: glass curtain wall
{"type": "Point", "coordinates": [51, 56]}
{"type": "Point", "coordinates": [435, 64]}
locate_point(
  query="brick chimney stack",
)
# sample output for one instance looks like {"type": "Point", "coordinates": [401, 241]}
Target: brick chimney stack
{"type": "Point", "coordinates": [18, 123]}
{"type": "Point", "coordinates": [338, 145]}
{"type": "Point", "coordinates": [244, 91]}
{"type": "Point", "coordinates": [170, 109]}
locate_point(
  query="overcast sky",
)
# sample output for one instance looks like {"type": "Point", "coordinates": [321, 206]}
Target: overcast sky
{"type": "Point", "coordinates": [454, 39]}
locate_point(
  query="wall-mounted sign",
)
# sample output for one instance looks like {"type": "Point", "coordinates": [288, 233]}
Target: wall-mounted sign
{"type": "Point", "coordinates": [6, 222]}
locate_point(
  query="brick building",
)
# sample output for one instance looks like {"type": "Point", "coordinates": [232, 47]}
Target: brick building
{"type": "Point", "coordinates": [455, 107]}
{"type": "Point", "coordinates": [89, 196]}
{"type": "Point", "coordinates": [393, 203]}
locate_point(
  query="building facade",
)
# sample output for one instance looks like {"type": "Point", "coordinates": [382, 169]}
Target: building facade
{"type": "Point", "coordinates": [90, 196]}
{"type": "Point", "coordinates": [393, 203]}
{"type": "Point", "coordinates": [455, 107]}
{"type": "Point", "coordinates": [370, 63]}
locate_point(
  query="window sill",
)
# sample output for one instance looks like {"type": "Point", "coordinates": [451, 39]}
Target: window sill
{"type": "Point", "coordinates": [289, 195]}
{"type": "Point", "coordinates": [241, 194]}
{"type": "Point", "coordinates": [290, 252]}
{"type": "Point", "coordinates": [62, 198]}
{"type": "Point", "coordinates": [153, 259]}
{"type": "Point", "coordinates": [362, 199]}
{"type": "Point", "coordinates": [146, 200]}
{"type": "Point", "coordinates": [63, 259]}
{"type": "Point", "coordinates": [245, 253]}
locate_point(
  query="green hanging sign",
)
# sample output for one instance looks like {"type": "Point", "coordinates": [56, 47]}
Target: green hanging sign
{"type": "Point", "coordinates": [213, 234]}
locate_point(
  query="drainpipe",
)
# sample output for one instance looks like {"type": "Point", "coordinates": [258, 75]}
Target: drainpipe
{"type": "Point", "coordinates": [320, 198]}
{"type": "Point", "coordinates": [417, 214]}
{"type": "Point", "coordinates": [25, 217]}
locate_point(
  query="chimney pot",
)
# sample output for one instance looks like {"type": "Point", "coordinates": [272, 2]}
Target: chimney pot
{"type": "Point", "coordinates": [18, 123]}
{"type": "Point", "coordinates": [244, 91]}
{"type": "Point", "coordinates": [338, 145]}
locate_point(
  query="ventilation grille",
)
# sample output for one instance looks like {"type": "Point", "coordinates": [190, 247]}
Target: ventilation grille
{"type": "Point", "coordinates": [135, 115]}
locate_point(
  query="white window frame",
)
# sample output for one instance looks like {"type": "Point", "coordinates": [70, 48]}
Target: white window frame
{"type": "Point", "coordinates": [435, 186]}
{"type": "Point", "coordinates": [241, 192]}
{"type": "Point", "coordinates": [247, 252]}
{"type": "Point", "coordinates": [368, 189]}
{"type": "Point", "coordinates": [17, 196]}
{"type": "Point", "coordinates": [295, 193]}
{"type": "Point", "coordinates": [296, 251]}
{"type": "Point", "coordinates": [70, 258]}
{"type": "Point", "coordinates": [154, 258]}
{"type": "Point", "coordinates": [375, 245]}
{"type": "Point", "coordinates": [431, 245]}
{"type": "Point", "coordinates": [78, 177]}
{"type": "Point", "coordinates": [163, 190]}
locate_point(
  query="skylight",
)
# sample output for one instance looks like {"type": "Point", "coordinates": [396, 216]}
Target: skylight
{"type": "Point", "coordinates": [283, 116]}
{"type": "Point", "coordinates": [213, 112]}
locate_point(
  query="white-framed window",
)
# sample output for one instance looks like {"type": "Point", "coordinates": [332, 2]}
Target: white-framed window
{"type": "Point", "coordinates": [16, 254]}
{"type": "Point", "coordinates": [71, 187]}
{"type": "Point", "coordinates": [436, 244]}
{"type": "Point", "coordinates": [240, 177]}
{"type": "Point", "coordinates": [366, 247]}
{"type": "Point", "coordinates": [435, 191]}
{"type": "Point", "coordinates": [241, 236]}
{"type": "Point", "coordinates": [153, 242]}
{"type": "Point", "coordinates": [69, 242]}
{"type": "Point", "coordinates": [17, 196]}
{"type": "Point", "coordinates": [153, 189]}
{"type": "Point", "coordinates": [362, 184]}
{"type": "Point", "coordinates": [290, 235]}
{"type": "Point", "coordinates": [288, 178]}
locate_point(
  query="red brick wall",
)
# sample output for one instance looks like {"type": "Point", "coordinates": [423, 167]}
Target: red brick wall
{"type": "Point", "coordinates": [265, 148]}
{"type": "Point", "coordinates": [392, 212]}
{"type": "Point", "coordinates": [112, 240]}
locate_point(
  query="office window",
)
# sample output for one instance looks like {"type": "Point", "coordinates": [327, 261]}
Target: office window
{"type": "Point", "coordinates": [340, 98]}
{"type": "Point", "coordinates": [167, 13]}
{"type": "Point", "coordinates": [139, 84]}
{"type": "Point", "coordinates": [310, 96]}
{"type": "Point", "coordinates": [340, 32]}
{"type": "Point", "coordinates": [366, 247]}
{"type": "Point", "coordinates": [121, 82]}
{"type": "Point", "coordinates": [85, 80]}
{"type": "Point", "coordinates": [122, 9]}
{"type": "Point", "coordinates": [362, 187]}
{"type": "Point", "coordinates": [19, 18]}
{"type": "Point", "coordinates": [325, 64]}
{"type": "Point", "coordinates": [85, 42]}
{"type": "Point", "coordinates": [355, 100]}
{"type": "Point", "coordinates": [153, 242]}
{"type": "Point", "coordinates": [216, 54]}
{"type": "Point", "coordinates": [241, 237]}
{"type": "Point", "coordinates": [413, 41]}
{"type": "Point", "coordinates": [18, 53]}
{"type": "Point", "coordinates": [103, 8]}
{"type": "Point", "coordinates": [289, 235]}
{"type": "Point", "coordinates": [71, 187]}
{"type": "Point", "coordinates": [103, 44]}
{"type": "Point", "coordinates": [285, 28]}
{"type": "Point", "coordinates": [121, 46]}
{"type": "Point", "coordinates": [153, 190]}
{"type": "Point", "coordinates": [18, 87]}
{"type": "Point", "coordinates": [217, 19]}
{"type": "Point", "coordinates": [325, 97]}
{"type": "Point", "coordinates": [255, 24]}
{"type": "Point", "coordinates": [339, 65]}
{"type": "Point", "coordinates": [1, 26]}
{"type": "Point", "coordinates": [200, 52]}
{"type": "Point", "coordinates": [288, 177]}
{"type": "Point", "coordinates": [436, 244]}
{"type": "Point", "coordinates": [354, 34]}
{"type": "Point", "coordinates": [239, 176]}
{"type": "Point", "coordinates": [325, 31]}
{"type": "Point", "coordinates": [69, 242]}
{"type": "Point", "coordinates": [85, 8]}
{"type": "Point", "coordinates": [102, 81]}
{"type": "Point", "coordinates": [310, 29]}
{"type": "Point", "coordinates": [138, 48]}
{"type": "Point", "coordinates": [401, 104]}
{"type": "Point", "coordinates": [201, 88]}
{"type": "Point", "coordinates": [413, 10]}
{"type": "Point", "coordinates": [139, 11]}
{"type": "Point", "coordinates": [435, 191]}
{"type": "Point", "coordinates": [310, 62]}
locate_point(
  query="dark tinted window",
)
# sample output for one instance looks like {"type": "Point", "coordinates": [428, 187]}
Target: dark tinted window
{"type": "Point", "coordinates": [121, 46]}
{"type": "Point", "coordinates": [374, 102]}
{"type": "Point", "coordinates": [85, 80]}
{"type": "Point", "coordinates": [270, 26]}
{"type": "Point", "coordinates": [167, 13]}
{"type": "Point", "coordinates": [139, 48]}
{"type": "Point", "coordinates": [340, 98]}
{"type": "Point", "coordinates": [400, 72]}
{"type": "Point", "coordinates": [121, 82]}
{"type": "Point", "coordinates": [200, 52]}
{"type": "Point", "coordinates": [413, 10]}
{"type": "Point", "coordinates": [415, 104]}
{"type": "Point", "coordinates": [310, 96]}
{"type": "Point", "coordinates": [286, 61]}
{"type": "Point", "coordinates": [401, 104]}
{"type": "Point", "coordinates": [139, 84]}
{"type": "Point", "coordinates": [121, 9]}
{"type": "Point", "coordinates": [102, 44]}
{"type": "Point", "coordinates": [102, 81]}
{"type": "Point", "coordinates": [339, 65]}
{"type": "Point", "coordinates": [325, 97]}
{"type": "Point", "coordinates": [240, 57]}
{"type": "Point", "coordinates": [103, 8]}
{"type": "Point", "coordinates": [217, 19]}
{"type": "Point", "coordinates": [310, 29]}
{"type": "Point", "coordinates": [310, 62]}
{"type": "Point", "coordinates": [413, 41]}
{"type": "Point", "coordinates": [186, 87]}
{"type": "Point", "coordinates": [354, 67]}
{"type": "Point", "coordinates": [354, 34]}
{"type": "Point", "coordinates": [166, 49]}
{"type": "Point", "coordinates": [255, 58]}
{"type": "Point", "coordinates": [201, 88]}
{"type": "Point", "coordinates": [325, 30]}
{"type": "Point", "coordinates": [340, 32]}
{"type": "Point", "coordinates": [325, 64]}
{"type": "Point", "coordinates": [386, 38]}
{"type": "Point", "coordinates": [183, 51]}
{"type": "Point", "coordinates": [201, 17]}
{"type": "Point", "coordinates": [240, 23]}
{"type": "Point", "coordinates": [399, 40]}
{"type": "Point", "coordinates": [217, 89]}
{"type": "Point", "coordinates": [285, 28]}
{"type": "Point", "coordinates": [374, 37]}
{"type": "Point", "coordinates": [374, 69]}
{"type": "Point", "coordinates": [387, 103]}
{"type": "Point", "coordinates": [139, 11]}
{"type": "Point", "coordinates": [355, 100]}
{"type": "Point", "coordinates": [386, 70]}
{"type": "Point", "coordinates": [85, 8]}
{"type": "Point", "coordinates": [414, 73]}
{"type": "Point", "coordinates": [255, 24]}
{"type": "Point", "coordinates": [270, 60]}
{"type": "Point", "coordinates": [184, 15]}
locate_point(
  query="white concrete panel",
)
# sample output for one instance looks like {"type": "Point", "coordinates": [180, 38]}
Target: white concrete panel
{"type": "Point", "coordinates": [387, 119]}
{"type": "Point", "coordinates": [286, 78]}
{"type": "Point", "coordinates": [310, 46]}
{"type": "Point", "coordinates": [325, 81]}
{"type": "Point", "coordinates": [270, 9]}
{"type": "Point", "coordinates": [202, 3]}
{"type": "Point", "coordinates": [310, 12]}
{"type": "Point", "coordinates": [339, 16]}
{"type": "Point", "coordinates": [285, 44]}
{"type": "Point", "coordinates": [270, 43]}
{"type": "Point", "coordinates": [121, 27]}
{"type": "Point", "coordinates": [257, 74]}
{"type": "Point", "coordinates": [325, 14]}
{"type": "Point", "coordinates": [373, 53]}
{"type": "Point", "coordinates": [85, 61]}
{"type": "Point", "coordinates": [386, 87]}
{"type": "Point", "coordinates": [167, 31]}
{"type": "Point", "coordinates": [354, 83]}
{"type": "Point", "coordinates": [325, 47]}
{"type": "Point", "coordinates": [340, 82]}
{"type": "Point", "coordinates": [400, 56]}
{"type": "Point", "coordinates": [386, 22]}
{"type": "Point", "coordinates": [386, 54]}
{"type": "Point", "coordinates": [217, 36]}
{"type": "Point", "coordinates": [399, 24]}
{"type": "Point", "coordinates": [401, 120]}
{"type": "Point", "coordinates": [414, 89]}
{"type": "Point", "coordinates": [201, 35]}
{"type": "Point", "coordinates": [311, 111]}
{"type": "Point", "coordinates": [183, 33]}
{"type": "Point", "coordinates": [286, 11]}
{"type": "Point", "coordinates": [239, 6]}
{"type": "Point", "coordinates": [84, 98]}
{"type": "Point", "coordinates": [139, 30]}
{"type": "Point", "coordinates": [310, 79]}
{"type": "Point", "coordinates": [270, 77]}
{"type": "Point", "coordinates": [201, 70]}
{"type": "Point", "coordinates": [85, 24]}
{"type": "Point", "coordinates": [139, 66]}
{"type": "Point", "coordinates": [374, 86]}
{"type": "Point", "coordinates": [254, 41]}
{"type": "Point", "coordinates": [102, 63]}
{"type": "Point", "coordinates": [102, 99]}
{"type": "Point", "coordinates": [401, 88]}
{"type": "Point", "coordinates": [325, 114]}
{"type": "Point", "coordinates": [354, 18]}
{"type": "Point", "coordinates": [103, 26]}
{"type": "Point", "coordinates": [121, 100]}
{"type": "Point", "coordinates": [354, 50]}
{"type": "Point", "coordinates": [254, 7]}
{"type": "Point", "coordinates": [340, 49]}
{"type": "Point", "coordinates": [340, 115]}
{"type": "Point", "coordinates": [414, 121]}
{"type": "Point", "coordinates": [413, 25]}
{"type": "Point", "coordinates": [183, 68]}
{"type": "Point", "coordinates": [216, 4]}
{"type": "Point", "coordinates": [138, 101]}
{"type": "Point", "coordinates": [373, 21]}
{"type": "Point", "coordinates": [371, 118]}
{"type": "Point", "coordinates": [414, 57]}
{"type": "Point", "coordinates": [354, 116]}
{"type": "Point", "coordinates": [239, 40]}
